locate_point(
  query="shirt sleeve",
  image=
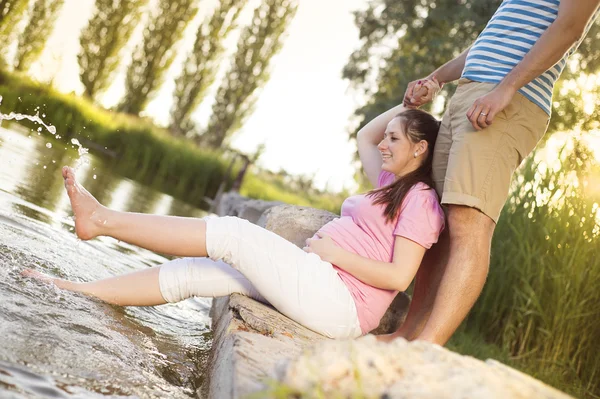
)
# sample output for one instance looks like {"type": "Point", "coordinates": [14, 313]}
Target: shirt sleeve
{"type": "Point", "coordinates": [385, 178]}
{"type": "Point", "coordinates": [421, 218]}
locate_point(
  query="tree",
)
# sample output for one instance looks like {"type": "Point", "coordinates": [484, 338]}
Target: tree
{"type": "Point", "coordinates": [423, 36]}
{"type": "Point", "coordinates": [33, 39]}
{"type": "Point", "coordinates": [11, 12]}
{"type": "Point", "coordinates": [201, 65]}
{"type": "Point", "coordinates": [103, 40]}
{"type": "Point", "coordinates": [153, 57]}
{"type": "Point", "coordinates": [258, 43]}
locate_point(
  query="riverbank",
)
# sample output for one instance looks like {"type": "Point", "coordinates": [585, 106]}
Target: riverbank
{"type": "Point", "coordinates": [147, 153]}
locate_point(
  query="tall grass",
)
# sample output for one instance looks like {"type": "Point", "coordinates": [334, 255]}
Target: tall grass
{"type": "Point", "coordinates": [541, 303]}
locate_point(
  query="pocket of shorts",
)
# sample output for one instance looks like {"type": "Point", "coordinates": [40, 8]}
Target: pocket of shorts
{"type": "Point", "coordinates": [511, 110]}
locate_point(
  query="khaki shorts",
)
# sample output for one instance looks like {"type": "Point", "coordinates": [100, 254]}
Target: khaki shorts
{"type": "Point", "coordinates": [474, 168]}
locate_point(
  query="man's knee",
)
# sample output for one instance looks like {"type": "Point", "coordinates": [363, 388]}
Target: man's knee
{"type": "Point", "coordinates": [469, 225]}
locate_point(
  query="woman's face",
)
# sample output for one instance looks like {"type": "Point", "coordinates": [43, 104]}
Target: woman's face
{"type": "Point", "coordinates": [397, 151]}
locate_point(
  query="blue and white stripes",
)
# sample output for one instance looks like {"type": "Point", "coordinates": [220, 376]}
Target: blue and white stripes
{"type": "Point", "coordinates": [508, 36]}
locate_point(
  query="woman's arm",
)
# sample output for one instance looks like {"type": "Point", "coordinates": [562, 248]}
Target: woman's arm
{"type": "Point", "coordinates": [369, 137]}
{"type": "Point", "coordinates": [396, 275]}
{"type": "Point", "coordinates": [372, 133]}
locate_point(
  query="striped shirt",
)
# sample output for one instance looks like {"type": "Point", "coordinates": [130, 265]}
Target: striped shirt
{"type": "Point", "coordinates": [508, 36]}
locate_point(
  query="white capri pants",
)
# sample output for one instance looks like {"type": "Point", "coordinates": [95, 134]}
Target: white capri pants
{"type": "Point", "coordinates": [247, 259]}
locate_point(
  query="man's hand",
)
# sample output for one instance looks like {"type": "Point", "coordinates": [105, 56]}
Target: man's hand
{"type": "Point", "coordinates": [420, 92]}
{"type": "Point", "coordinates": [484, 109]}
{"type": "Point", "coordinates": [322, 246]}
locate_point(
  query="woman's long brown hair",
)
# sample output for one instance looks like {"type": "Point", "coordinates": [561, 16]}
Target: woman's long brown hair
{"type": "Point", "coordinates": [417, 125]}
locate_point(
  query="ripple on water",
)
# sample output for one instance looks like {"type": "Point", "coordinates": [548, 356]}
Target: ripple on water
{"type": "Point", "coordinates": [61, 344]}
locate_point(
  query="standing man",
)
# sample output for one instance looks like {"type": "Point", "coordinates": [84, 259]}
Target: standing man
{"type": "Point", "coordinates": [494, 120]}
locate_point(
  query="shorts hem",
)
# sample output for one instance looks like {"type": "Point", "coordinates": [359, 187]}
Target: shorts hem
{"type": "Point", "coordinates": [450, 198]}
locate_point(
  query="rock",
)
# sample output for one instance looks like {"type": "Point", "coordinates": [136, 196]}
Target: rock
{"type": "Point", "coordinates": [394, 316]}
{"type": "Point", "coordinates": [250, 339]}
{"type": "Point", "coordinates": [233, 204]}
{"type": "Point", "coordinates": [295, 223]}
{"type": "Point", "coordinates": [402, 369]}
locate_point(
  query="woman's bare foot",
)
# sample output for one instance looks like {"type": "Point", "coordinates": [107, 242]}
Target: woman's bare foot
{"type": "Point", "coordinates": [60, 283]}
{"type": "Point", "coordinates": [90, 215]}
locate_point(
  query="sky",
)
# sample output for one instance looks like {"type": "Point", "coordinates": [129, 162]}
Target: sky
{"type": "Point", "coordinates": [303, 114]}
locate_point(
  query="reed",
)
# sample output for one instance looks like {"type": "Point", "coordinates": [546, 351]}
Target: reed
{"type": "Point", "coordinates": [541, 301]}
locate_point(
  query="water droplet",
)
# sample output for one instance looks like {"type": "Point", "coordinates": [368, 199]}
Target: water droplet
{"type": "Point", "coordinates": [44, 166]}
{"type": "Point", "coordinates": [48, 145]}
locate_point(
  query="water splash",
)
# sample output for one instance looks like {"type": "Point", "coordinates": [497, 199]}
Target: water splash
{"type": "Point", "coordinates": [20, 117]}
{"type": "Point", "coordinates": [81, 150]}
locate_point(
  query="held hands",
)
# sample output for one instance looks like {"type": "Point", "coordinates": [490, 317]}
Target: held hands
{"type": "Point", "coordinates": [484, 109]}
{"type": "Point", "coordinates": [420, 92]}
{"type": "Point", "coordinates": [322, 246]}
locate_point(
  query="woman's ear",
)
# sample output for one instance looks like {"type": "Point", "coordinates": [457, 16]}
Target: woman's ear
{"type": "Point", "coordinates": [422, 146]}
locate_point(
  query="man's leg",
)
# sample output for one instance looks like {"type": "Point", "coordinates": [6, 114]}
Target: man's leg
{"type": "Point", "coordinates": [467, 266]}
{"type": "Point", "coordinates": [426, 286]}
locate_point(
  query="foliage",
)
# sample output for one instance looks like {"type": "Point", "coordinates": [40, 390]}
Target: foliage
{"type": "Point", "coordinates": [11, 12]}
{"type": "Point", "coordinates": [153, 57]}
{"type": "Point", "coordinates": [201, 65]}
{"type": "Point", "coordinates": [39, 27]}
{"type": "Point", "coordinates": [103, 40]}
{"type": "Point", "coordinates": [258, 43]}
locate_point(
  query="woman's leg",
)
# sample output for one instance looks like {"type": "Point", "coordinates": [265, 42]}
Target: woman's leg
{"type": "Point", "coordinates": [298, 284]}
{"type": "Point", "coordinates": [166, 234]}
{"type": "Point", "coordinates": [172, 282]}
{"type": "Point", "coordinates": [202, 277]}
{"type": "Point", "coordinates": [139, 288]}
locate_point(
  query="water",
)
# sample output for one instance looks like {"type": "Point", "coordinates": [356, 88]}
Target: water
{"type": "Point", "coordinates": [59, 344]}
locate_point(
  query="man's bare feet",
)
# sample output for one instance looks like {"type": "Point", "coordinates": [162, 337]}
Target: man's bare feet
{"type": "Point", "coordinates": [90, 215]}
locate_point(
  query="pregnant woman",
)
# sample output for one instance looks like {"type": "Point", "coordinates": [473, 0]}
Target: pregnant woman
{"type": "Point", "coordinates": [339, 285]}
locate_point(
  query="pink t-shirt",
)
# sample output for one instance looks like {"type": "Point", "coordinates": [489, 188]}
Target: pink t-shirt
{"type": "Point", "coordinates": [362, 229]}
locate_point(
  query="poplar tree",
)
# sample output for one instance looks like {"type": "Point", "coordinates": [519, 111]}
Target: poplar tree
{"type": "Point", "coordinates": [153, 57]}
{"type": "Point", "coordinates": [258, 43]}
{"type": "Point", "coordinates": [33, 39]}
{"type": "Point", "coordinates": [201, 65]}
{"type": "Point", "coordinates": [103, 40]}
{"type": "Point", "coordinates": [11, 12]}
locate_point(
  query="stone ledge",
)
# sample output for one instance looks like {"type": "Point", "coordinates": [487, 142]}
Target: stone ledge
{"type": "Point", "coordinates": [250, 341]}
{"type": "Point", "coordinates": [403, 369]}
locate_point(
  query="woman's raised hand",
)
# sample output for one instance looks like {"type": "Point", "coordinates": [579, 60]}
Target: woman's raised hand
{"type": "Point", "coordinates": [421, 92]}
